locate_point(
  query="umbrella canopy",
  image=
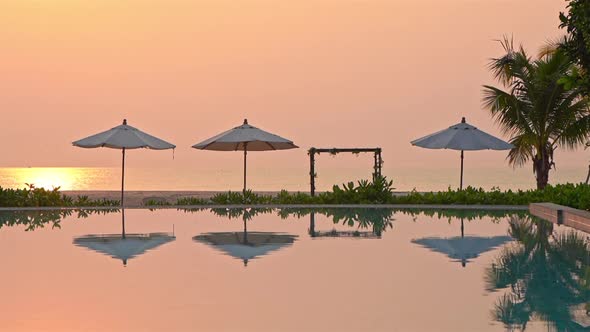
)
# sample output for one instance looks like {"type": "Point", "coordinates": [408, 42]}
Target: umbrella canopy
{"type": "Point", "coordinates": [123, 248]}
{"type": "Point", "coordinates": [462, 249]}
{"type": "Point", "coordinates": [123, 137]}
{"type": "Point", "coordinates": [463, 137]}
{"type": "Point", "coordinates": [245, 138]}
{"type": "Point", "coordinates": [246, 245]}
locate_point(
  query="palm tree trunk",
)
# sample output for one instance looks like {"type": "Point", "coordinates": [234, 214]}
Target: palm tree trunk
{"type": "Point", "coordinates": [542, 166]}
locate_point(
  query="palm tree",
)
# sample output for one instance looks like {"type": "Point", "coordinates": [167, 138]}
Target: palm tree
{"type": "Point", "coordinates": [537, 110]}
{"type": "Point", "coordinates": [546, 274]}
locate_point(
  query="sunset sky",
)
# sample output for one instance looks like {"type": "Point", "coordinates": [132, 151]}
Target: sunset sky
{"type": "Point", "coordinates": [320, 72]}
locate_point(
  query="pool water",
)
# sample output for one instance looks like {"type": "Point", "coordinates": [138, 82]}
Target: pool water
{"type": "Point", "coordinates": [291, 270]}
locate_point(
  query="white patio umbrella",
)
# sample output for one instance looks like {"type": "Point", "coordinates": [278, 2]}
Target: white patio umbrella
{"type": "Point", "coordinates": [123, 137]}
{"type": "Point", "coordinates": [463, 137]}
{"type": "Point", "coordinates": [245, 138]}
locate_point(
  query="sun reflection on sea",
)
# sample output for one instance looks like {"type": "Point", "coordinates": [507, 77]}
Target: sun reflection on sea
{"type": "Point", "coordinates": [47, 177]}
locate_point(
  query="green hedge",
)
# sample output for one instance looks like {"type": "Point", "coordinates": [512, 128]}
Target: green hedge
{"type": "Point", "coordinates": [573, 195]}
{"type": "Point", "coordinates": [40, 197]}
{"type": "Point", "coordinates": [381, 192]}
{"type": "Point", "coordinates": [363, 192]}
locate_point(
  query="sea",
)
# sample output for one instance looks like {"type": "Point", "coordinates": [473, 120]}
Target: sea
{"type": "Point", "coordinates": [260, 179]}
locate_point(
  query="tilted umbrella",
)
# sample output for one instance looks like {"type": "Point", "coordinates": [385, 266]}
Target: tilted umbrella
{"type": "Point", "coordinates": [463, 137]}
{"type": "Point", "coordinates": [245, 138]}
{"type": "Point", "coordinates": [123, 248]}
{"type": "Point", "coordinates": [246, 245]}
{"type": "Point", "coordinates": [123, 137]}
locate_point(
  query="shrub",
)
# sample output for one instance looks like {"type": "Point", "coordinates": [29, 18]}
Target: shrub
{"type": "Point", "coordinates": [31, 196]}
{"type": "Point", "coordinates": [381, 192]}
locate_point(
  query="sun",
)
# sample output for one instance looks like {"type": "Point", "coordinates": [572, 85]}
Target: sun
{"type": "Point", "coordinates": [47, 178]}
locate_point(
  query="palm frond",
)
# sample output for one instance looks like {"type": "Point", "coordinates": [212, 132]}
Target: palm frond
{"type": "Point", "coordinates": [523, 151]}
{"type": "Point", "coordinates": [551, 46]}
{"type": "Point", "coordinates": [535, 108]}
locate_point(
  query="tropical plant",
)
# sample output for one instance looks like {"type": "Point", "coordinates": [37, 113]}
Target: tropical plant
{"type": "Point", "coordinates": [546, 274]}
{"type": "Point", "coordinates": [32, 196]}
{"type": "Point", "coordinates": [378, 191]}
{"type": "Point", "coordinates": [242, 197]}
{"type": "Point", "coordinates": [187, 201]}
{"type": "Point", "coordinates": [536, 110]}
{"type": "Point", "coordinates": [576, 44]}
{"type": "Point", "coordinates": [572, 195]}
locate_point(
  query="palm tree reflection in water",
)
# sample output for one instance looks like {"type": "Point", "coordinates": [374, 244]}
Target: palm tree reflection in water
{"type": "Point", "coordinates": [547, 274]}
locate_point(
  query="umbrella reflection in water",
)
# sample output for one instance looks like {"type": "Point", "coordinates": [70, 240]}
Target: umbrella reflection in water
{"type": "Point", "coordinates": [123, 246]}
{"type": "Point", "coordinates": [464, 248]}
{"type": "Point", "coordinates": [246, 245]}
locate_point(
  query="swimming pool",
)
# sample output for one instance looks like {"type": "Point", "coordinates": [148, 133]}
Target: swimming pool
{"type": "Point", "coordinates": [291, 270]}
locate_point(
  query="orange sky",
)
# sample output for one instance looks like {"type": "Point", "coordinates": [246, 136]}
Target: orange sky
{"type": "Point", "coordinates": [320, 72]}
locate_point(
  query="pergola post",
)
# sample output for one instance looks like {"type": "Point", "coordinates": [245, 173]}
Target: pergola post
{"type": "Point", "coordinates": [312, 171]}
{"type": "Point", "coordinates": [375, 166]}
{"type": "Point", "coordinates": [380, 162]}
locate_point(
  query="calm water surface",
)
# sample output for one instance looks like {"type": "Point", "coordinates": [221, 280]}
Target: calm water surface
{"type": "Point", "coordinates": [268, 179]}
{"type": "Point", "coordinates": [290, 270]}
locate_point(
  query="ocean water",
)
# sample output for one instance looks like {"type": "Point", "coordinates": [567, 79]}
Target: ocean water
{"type": "Point", "coordinates": [422, 179]}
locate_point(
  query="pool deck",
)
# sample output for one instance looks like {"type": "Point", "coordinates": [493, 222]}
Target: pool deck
{"type": "Point", "coordinates": [562, 215]}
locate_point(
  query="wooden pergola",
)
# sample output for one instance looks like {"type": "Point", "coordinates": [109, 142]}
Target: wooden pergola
{"type": "Point", "coordinates": [378, 161]}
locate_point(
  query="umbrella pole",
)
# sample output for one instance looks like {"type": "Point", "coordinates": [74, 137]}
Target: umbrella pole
{"type": "Point", "coordinates": [245, 154]}
{"type": "Point", "coordinates": [461, 182]}
{"type": "Point", "coordinates": [312, 224]}
{"type": "Point", "coordinates": [245, 233]}
{"type": "Point", "coordinates": [462, 228]}
{"type": "Point", "coordinates": [123, 223]}
{"type": "Point", "coordinates": [123, 180]}
{"type": "Point", "coordinates": [122, 193]}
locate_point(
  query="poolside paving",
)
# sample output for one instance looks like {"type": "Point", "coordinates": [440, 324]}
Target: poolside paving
{"type": "Point", "coordinates": [562, 215]}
